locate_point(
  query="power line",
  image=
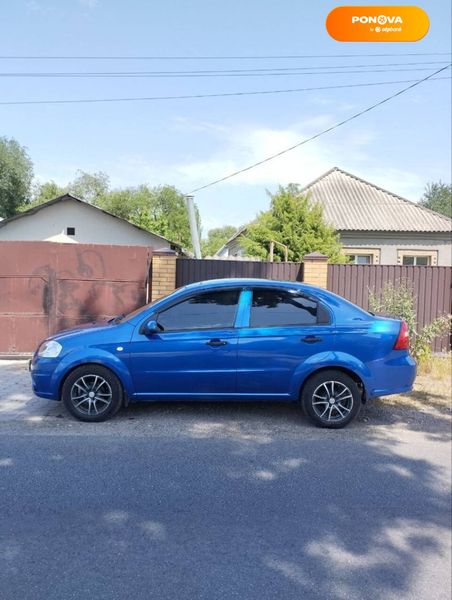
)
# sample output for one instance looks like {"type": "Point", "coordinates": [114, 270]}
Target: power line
{"type": "Point", "coordinates": [317, 135]}
{"type": "Point", "coordinates": [144, 75]}
{"type": "Point", "coordinates": [219, 95]}
{"type": "Point", "coordinates": [209, 71]}
{"type": "Point", "coordinates": [244, 57]}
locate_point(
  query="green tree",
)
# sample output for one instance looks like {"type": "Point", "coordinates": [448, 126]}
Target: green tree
{"type": "Point", "coordinates": [160, 209]}
{"type": "Point", "coordinates": [216, 238]}
{"type": "Point", "coordinates": [295, 221]}
{"type": "Point", "coordinates": [91, 187]}
{"type": "Point", "coordinates": [438, 197]}
{"type": "Point", "coordinates": [16, 173]}
{"type": "Point", "coordinates": [43, 192]}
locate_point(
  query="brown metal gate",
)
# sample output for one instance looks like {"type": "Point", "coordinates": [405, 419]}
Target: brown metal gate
{"type": "Point", "coordinates": [46, 287]}
{"type": "Point", "coordinates": [190, 270]}
{"type": "Point", "coordinates": [431, 286]}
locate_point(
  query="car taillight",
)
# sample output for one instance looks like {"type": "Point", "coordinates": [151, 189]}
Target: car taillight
{"type": "Point", "coordinates": [403, 339]}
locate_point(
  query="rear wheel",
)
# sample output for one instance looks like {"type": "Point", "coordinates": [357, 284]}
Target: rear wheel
{"type": "Point", "coordinates": [92, 393]}
{"type": "Point", "coordinates": [331, 399]}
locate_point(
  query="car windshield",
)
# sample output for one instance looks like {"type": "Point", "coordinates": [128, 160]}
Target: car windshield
{"type": "Point", "coordinates": [137, 311]}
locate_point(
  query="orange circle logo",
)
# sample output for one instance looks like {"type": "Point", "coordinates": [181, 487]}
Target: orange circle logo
{"type": "Point", "coordinates": [377, 23]}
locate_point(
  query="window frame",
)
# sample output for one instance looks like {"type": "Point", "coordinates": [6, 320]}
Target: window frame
{"type": "Point", "coordinates": [431, 254]}
{"type": "Point", "coordinates": [178, 301]}
{"type": "Point", "coordinates": [296, 292]}
{"type": "Point", "coordinates": [363, 251]}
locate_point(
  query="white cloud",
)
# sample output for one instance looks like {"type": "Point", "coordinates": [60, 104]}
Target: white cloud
{"type": "Point", "coordinates": [247, 145]}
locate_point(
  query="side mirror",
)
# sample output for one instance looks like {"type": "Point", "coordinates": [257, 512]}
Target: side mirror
{"type": "Point", "coordinates": [150, 327]}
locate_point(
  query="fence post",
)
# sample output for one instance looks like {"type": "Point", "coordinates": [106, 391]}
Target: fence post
{"type": "Point", "coordinates": [163, 280]}
{"type": "Point", "coordinates": [315, 269]}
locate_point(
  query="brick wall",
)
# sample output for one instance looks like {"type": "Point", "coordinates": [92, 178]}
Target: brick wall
{"type": "Point", "coordinates": [163, 274]}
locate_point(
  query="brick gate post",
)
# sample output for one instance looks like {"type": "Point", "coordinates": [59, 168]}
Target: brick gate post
{"type": "Point", "coordinates": [315, 269]}
{"type": "Point", "coordinates": [163, 280]}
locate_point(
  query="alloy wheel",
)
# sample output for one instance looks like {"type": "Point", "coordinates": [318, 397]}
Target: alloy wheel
{"type": "Point", "coordinates": [91, 395]}
{"type": "Point", "coordinates": [332, 401]}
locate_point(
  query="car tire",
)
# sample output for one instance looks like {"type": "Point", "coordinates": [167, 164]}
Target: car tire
{"type": "Point", "coordinates": [331, 399]}
{"type": "Point", "coordinates": [92, 393]}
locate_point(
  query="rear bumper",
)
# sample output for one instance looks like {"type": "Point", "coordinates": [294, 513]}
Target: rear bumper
{"type": "Point", "coordinates": [393, 376]}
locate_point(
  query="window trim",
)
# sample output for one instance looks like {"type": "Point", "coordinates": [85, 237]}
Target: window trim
{"type": "Point", "coordinates": [432, 254]}
{"type": "Point", "coordinates": [177, 301]}
{"type": "Point", "coordinates": [289, 325]}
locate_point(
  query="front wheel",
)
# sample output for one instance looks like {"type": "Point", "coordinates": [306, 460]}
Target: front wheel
{"type": "Point", "coordinates": [92, 393]}
{"type": "Point", "coordinates": [331, 399]}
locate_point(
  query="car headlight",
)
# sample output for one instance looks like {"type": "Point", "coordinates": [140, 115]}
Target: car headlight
{"type": "Point", "coordinates": [50, 349]}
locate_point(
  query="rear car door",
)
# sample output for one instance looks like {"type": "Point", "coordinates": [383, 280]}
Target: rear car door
{"type": "Point", "coordinates": [284, 328]}
{"type": "Point", "coordinates": [195, 353]}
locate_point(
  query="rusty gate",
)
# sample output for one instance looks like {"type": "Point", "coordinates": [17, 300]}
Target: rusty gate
{"type": "Point", "coordinates": [46, 287]}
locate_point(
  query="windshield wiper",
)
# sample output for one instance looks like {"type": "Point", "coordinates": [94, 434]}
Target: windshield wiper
{"type": "Point", "coordinates": [116, 319]}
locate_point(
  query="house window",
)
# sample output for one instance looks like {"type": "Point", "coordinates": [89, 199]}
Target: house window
{"type": "Point", "coordinates": [363, 256]}
{"type": "Point", "coordinates": [416, 260]}
{"type": "Point", "coordinates": [70, 231]}
{"type": "Point", "coordinates": [417, 257]}
{"type": "Point", "coordinates": [360, 259]}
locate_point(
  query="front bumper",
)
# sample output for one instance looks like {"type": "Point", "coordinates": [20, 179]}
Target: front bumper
{"type": "Point", "coordinates": [42, 370]}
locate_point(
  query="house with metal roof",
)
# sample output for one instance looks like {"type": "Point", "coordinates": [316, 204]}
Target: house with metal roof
{"type": "Point", "coordinates": [375, 226]}
{"type": "Point", "coordinates": [68, 219]}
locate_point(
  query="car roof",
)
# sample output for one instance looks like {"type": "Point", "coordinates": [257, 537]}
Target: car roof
{"type": "Point", "coordinates": [254, 281]}
{"type": "Point", "coordinates": [242, 282]}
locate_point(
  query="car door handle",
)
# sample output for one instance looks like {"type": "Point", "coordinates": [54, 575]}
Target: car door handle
{"type": "Point", "coordinates": [311, 339]}
{"type": "Point", "coordinates": [216, 342]}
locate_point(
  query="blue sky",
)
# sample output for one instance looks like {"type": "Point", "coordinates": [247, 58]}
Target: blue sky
{"type": "Point", "coordinates": [400, 146]}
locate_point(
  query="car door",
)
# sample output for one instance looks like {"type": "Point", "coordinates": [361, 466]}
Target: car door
{"type": "Point", "coordinates": [282, 329]}
{"type": "Point", "coordinates": [194, 354]}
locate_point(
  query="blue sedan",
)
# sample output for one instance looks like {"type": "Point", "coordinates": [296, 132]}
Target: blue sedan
{"type": "Point", "coordinates": [230, 339]}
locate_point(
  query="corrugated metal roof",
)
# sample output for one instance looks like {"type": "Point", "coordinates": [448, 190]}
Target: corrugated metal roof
{"type": "Point", "coordinates": [352, 204]}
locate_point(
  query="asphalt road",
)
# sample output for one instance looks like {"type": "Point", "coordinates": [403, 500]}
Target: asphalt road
{"type": "Point", "coordinates": [212, 502]}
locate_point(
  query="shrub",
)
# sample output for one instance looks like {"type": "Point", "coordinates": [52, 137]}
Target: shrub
{"type": "Point", "coordinates": [399, 300]}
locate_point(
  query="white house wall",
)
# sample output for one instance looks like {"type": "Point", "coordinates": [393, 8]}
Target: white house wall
{"type": "Point", "coordinates": [92, 226]}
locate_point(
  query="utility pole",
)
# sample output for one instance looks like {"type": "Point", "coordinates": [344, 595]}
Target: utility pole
{"type": "Point", "coordinates": [193, 225]}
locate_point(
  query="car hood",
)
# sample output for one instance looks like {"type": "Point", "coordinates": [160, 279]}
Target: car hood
{"type": "Point", "coordinates": [83, 329]}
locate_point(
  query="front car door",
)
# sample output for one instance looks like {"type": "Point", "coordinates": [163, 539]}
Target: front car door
{"type": "Point", "coordinates": [194, 354]}
{"type": "Point", "coordinates": [282, 329]}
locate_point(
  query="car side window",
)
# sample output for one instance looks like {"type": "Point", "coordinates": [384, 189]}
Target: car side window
{"type": "Point", "coordinates": [209, 310]}
{"type": "Point", "coordinates": [278, 308]}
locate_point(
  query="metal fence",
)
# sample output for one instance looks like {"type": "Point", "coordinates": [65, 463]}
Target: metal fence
{"type": "Point", "coordinates": [190, 270]}
{"type": "Point", "coordinates": [431, 287]}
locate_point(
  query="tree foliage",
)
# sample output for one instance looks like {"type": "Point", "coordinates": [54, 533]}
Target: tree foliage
{"type": "Point", "coordinates": [295, 221]}
{"type": "Point", "coordinates": [91, 187]}
{"type": "Point", "coordinates": [438, 197]}
{"type": "Point", "coordinates": [43, 192]}
{"type": "Point", "coordinates": [216, 238]}
{"type": "Point", "coordinates": [16, 173]}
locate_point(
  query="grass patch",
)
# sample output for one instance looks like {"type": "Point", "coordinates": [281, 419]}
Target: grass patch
{"type": "Point", "coordinates": [432, 388]}
{"type": "Point", "coordinates": [437, 367]}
